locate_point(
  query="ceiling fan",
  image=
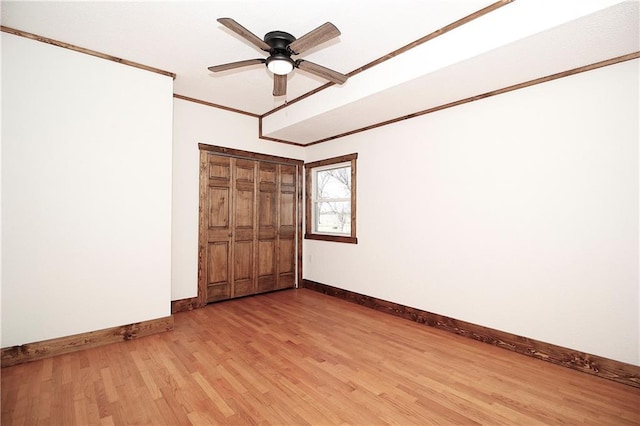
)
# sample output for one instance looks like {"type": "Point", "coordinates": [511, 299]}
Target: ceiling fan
{"type": "Point", "coordinates": [281, 46]}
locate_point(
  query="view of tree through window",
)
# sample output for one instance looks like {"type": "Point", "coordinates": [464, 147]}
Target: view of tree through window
{"type": "Point", "coordinates": [333, 200]}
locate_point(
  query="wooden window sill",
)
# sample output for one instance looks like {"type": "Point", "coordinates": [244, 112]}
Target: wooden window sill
{"type": "Point", "coordinates": [334, 238]}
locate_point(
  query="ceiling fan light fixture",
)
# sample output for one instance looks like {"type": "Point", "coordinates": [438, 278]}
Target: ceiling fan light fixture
{"type": "Point", "coordinates": [280, 64]}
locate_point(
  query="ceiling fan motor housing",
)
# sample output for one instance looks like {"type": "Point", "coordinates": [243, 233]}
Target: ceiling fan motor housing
{"type": "Point", "coordinates": [278, 41]}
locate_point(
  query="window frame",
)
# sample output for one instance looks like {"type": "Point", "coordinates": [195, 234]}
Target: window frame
{"type": "Point", "coordinates": [309, 169]}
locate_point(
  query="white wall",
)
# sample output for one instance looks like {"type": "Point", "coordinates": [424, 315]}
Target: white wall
{"type": "Point", "coordinates": [193, 124]}
{"type": "Point", "coordinates": [518, 212]}
{"type": "Point", "coordinates": [86, 193]}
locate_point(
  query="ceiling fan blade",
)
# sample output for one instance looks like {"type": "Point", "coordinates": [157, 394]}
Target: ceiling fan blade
{"type": "Point", "coordinates": [313, 38]}
{"type": "Point", "coordinates": [320, 71]}
{"type": "Point", "coordinates": [245, 33]}
{"type": "Point", "coordinates": [232, 65]}
{"type": "Point", "coordinates": [279, 85]}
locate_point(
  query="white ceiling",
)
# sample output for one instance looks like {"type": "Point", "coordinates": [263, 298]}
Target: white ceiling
{"type": "Point", "coordinates": [523, 39]}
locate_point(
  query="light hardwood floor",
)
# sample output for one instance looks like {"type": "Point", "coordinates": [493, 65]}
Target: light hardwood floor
{"type": "Point", "coordinates": [300, 357]}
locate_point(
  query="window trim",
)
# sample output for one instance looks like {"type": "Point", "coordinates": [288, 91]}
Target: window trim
{"type": "Point", "coordinates": [308, 175]}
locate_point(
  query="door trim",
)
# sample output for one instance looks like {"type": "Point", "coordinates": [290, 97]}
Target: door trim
{"type": "Point", "coordinates": [238, 153]}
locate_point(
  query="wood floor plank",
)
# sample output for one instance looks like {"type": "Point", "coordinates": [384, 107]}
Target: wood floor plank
{"type": "Point", "coordinates": [107, 421]}
{"type": "Point", "coordinates": [301, 357]}
{"type": "Point", "coordinates": [179, 412]}
{"type": "Point", "coordinates": [168, 416]}
{"type": "Point", "coordinates": [43, 402]}
{"type": "Point", "coordinates": [81, 412]}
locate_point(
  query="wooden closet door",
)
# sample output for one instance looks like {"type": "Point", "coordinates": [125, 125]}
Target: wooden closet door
{"type": "Point", "coordinates": [286, 240]}
{"type": "Point", "coordinates": [248, 226]}
{"type": "Point", "coordinates": [244, 229]}
{"type": "Point", "coordinates": [218, 220]}
{"type": "Point", "coordinates": [267, 227]}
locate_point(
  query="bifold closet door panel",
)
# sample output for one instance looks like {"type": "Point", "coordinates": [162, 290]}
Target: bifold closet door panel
{"type": "Point", "coordinates": [218, 219]}
{"type": "Point", "coordinates": [286, 227]}
{"type": "Point", "coordinates": [267, 226]}
{"type": "Point", "coordinates": [244, 227]}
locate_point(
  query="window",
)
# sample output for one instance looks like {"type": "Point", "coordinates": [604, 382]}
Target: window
{"type": "Point", "coordinates": [330, 213]}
